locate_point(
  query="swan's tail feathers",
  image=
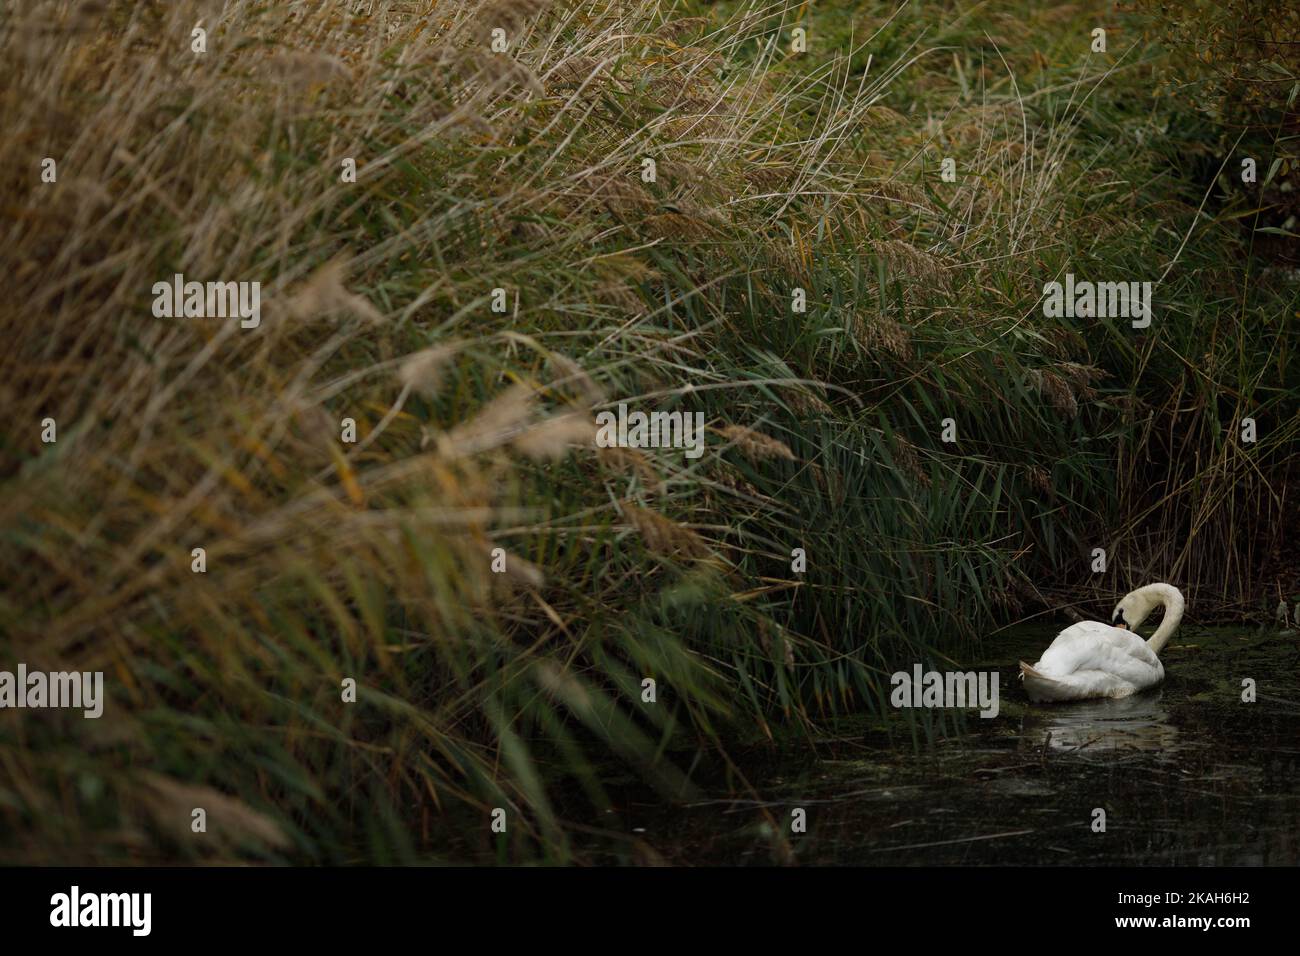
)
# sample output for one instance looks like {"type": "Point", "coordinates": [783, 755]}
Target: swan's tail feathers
{"type": "Point", "coordinates": [1039, 686]}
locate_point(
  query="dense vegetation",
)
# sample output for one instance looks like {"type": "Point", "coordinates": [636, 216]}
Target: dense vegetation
{"type": "Point", "coordinates": [523, 171]}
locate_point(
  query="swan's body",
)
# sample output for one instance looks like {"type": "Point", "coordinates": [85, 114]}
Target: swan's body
{"type": "Point", "coordinates": [1091, 659]}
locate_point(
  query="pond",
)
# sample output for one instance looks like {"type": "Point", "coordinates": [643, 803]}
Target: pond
{"type": "Point", "coordinates": [1186, 774]}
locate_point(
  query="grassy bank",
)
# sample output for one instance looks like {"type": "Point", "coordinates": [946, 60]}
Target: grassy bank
{"type": "Point", "coordinates": [524, 172]}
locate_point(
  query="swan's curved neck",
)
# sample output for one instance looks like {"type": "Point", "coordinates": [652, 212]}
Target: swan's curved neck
{"type": "Point", "coordinates": [1174, 606]}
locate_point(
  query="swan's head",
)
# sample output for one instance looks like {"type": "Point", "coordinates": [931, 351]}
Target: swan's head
{"type": "Point", "coordinates": [1132, 611]}
{"type": "Point", "coordinates": [1137, 606]}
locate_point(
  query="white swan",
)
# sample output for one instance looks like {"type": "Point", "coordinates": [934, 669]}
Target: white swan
{"type": "Point", "coordinates": [1091, 659]}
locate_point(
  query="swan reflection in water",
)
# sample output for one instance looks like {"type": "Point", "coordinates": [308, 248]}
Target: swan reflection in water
{"type": "Point", "coordinates": [1102, 727]}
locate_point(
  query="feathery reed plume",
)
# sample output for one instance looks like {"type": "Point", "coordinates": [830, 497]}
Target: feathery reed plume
{"type": "Point", "coordinates": [805, 402]}
{"type": "Point", "coordinates": [907, 458]}
{"type": "Point", "coordinates": [880, 332]}
{"type": "Point", "coordinates": [573, 373]}
{"type": "Point", "coordinates": [497, 423]}
{"type": "Point", "coordinates": [1056, 390]}
{"type": "Point", "coordinates": [555, 437]}
{"type": "Point", "coordinates": [663, 535]}
{"type": "Point", "coordinates": [230, 821]}
{"type": "Point", "coordinates": [423, 371]}
{"type": "Point", "coordinates": [681, 27]}
{"type": "Point", "coordinates": [635, 461]}
{"type": "Point", "coordinates": [755, 445]}
{"type": "Point", "coordinates": [324, 293]}
{"type": "Point", "coordinates": [903, 258]}
{"type": "Point", "coordinates": [518, 571]}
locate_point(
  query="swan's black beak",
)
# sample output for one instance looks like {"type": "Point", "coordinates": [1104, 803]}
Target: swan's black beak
{"type": "Point", "coordinates": [1119, 622]}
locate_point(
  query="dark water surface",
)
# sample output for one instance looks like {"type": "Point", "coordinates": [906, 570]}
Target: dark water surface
{"type": "Point", "coordinates": [1186, 774]}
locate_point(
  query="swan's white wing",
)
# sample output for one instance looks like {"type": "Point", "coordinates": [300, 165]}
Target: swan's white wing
{"type": "Point", "coordinates": [1093, 646]}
